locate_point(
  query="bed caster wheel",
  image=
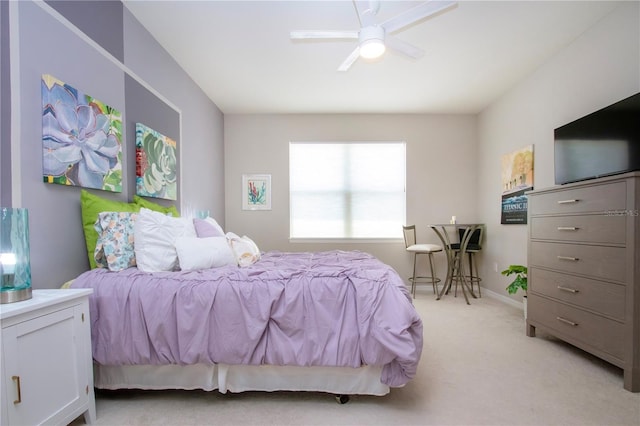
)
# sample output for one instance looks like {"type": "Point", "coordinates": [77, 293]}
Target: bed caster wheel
{"type": "Point", "coordinates": [342, 399]}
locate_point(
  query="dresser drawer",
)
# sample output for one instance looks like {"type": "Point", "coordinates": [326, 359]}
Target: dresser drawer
{"type": "Point", "coordinates": [607, 263]}
{"type": "Point", "coordinates": [605, 298]}
{"type": "Point", "coordinates": [592, 198]}
{"type": "Point", "coordinates": [593, 330]}
{"type": "Point", "coordinates": [588, 229]}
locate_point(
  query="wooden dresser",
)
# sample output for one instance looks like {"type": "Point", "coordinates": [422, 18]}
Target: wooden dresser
{"type": "Point", "coordinates": [584, 268]}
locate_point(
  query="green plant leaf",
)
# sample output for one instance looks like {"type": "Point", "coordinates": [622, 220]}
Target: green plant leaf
{"type": "Point", "coordinates": [520, 281]}
{"type": "Point", "coordinates": [515, 269]}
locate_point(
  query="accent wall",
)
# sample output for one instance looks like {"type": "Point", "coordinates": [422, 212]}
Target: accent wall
{"type": "Point", "coordinates": [100, 48]}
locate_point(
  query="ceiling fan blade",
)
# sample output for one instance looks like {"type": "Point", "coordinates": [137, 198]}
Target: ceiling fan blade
{"type": "Point", "coordinates": [350, 60]}
{"type": "Point", "coordinates": [404, 47]}
{"type": "Point", "coordinates": [303, 35]}
{"type": "Point", "coordinates": [367, 10]}
{"type": "Point", "coordinates": [417, 13]}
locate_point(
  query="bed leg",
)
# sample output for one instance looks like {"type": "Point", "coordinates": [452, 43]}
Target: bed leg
{"type": "Point", "coordinates": [342, 399]}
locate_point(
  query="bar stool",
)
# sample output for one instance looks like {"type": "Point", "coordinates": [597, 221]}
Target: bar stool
{"type": "Point", "coordinates": [474, 245]}
{"type": "Point", "coordinates": [420, 249]}
{"type": "Point", "coordinates": [456, 254]}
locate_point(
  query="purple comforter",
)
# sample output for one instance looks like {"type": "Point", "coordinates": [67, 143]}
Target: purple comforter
{"type": "Point", "coordinates": [333, 308]}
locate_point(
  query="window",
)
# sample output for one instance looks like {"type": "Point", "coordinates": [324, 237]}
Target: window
{"type": "Point", "coordinates": [347, 190]}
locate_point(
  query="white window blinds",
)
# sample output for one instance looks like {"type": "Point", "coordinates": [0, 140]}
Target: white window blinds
{"type": "Point", "coordinates": [347, 190]}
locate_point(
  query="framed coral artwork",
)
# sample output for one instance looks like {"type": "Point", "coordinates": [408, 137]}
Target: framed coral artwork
{"type": "Point", "coordinates": [256, 192]}
{"type": "Point", "coordinates": [156, 172]}
{"type": "Point", "coordinates": [81, 138]}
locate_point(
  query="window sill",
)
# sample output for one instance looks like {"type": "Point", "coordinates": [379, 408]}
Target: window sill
{"type": "Point", "coordinates": [347, 240]}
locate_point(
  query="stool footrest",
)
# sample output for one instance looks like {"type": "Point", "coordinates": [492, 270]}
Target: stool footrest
{"type": "Point", "coordinates": [427, 280]}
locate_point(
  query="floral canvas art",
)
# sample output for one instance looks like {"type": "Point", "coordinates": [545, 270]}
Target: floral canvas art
{"type": "Point", "coordinates": [156, 174]}
{"type": "Point", "coordinates": [81, 138]}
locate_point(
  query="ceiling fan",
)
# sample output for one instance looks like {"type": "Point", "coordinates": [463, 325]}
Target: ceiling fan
{"type": "Point", "coordinates": [373, 38]}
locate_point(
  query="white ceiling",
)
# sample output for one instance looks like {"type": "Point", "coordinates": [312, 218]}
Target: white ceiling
{"type": "Point", "coordinates": [240, 53]}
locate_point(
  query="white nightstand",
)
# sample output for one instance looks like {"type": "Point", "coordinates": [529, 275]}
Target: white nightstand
{"type": "Point", "coordinates": [47, 369]}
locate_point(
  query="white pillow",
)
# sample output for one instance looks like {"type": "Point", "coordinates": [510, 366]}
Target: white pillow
{"type": "Point", "coordinates": [155, 236]}
{"type": "Point", "coordinates": [203, 253]}
{"type": "Point", "coordinates": [244, 249]}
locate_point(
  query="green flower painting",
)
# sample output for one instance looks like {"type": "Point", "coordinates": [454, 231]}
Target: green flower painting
{"type": "Point", "coordinates": [156, 174]}
{"type": "Point", "coordinates": [81, 138]}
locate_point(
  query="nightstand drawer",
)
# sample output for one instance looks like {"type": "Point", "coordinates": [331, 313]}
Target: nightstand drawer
{"type": "Point", "coordinates": [593, 330]}
{"type": "Point", "coordinates": [605, 298]}
{"type": "Point", "coordinates": [588, 229]}
{"type": "Point", "coordinates": [592, 198]}
{"type": "Point", "coordinates": [607, 263]}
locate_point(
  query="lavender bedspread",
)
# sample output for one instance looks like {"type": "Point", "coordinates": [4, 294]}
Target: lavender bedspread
{"type": "Point", "coordinates": [334, 308]}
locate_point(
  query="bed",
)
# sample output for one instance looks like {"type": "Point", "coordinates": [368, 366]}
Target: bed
{"type": "Point", "coordinates": [178, 303]}
{"type": "Point", "coordinates": [336, 321]}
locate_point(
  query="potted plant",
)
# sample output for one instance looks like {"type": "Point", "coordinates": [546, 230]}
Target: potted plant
{"type": "Point", "coordinates": [518, 283]}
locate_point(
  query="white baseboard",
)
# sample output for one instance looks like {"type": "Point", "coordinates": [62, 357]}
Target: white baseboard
{"type": "Point", "coordinates": [492, 294]}
{"type": "Point", "coordinates": [502, 298]}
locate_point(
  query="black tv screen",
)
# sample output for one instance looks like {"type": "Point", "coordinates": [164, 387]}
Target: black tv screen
{"type": "Point", "coordinates": [603, 143]}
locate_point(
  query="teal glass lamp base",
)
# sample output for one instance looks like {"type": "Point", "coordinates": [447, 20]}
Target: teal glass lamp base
{"type": "Point", "coordinates": [15, 265]}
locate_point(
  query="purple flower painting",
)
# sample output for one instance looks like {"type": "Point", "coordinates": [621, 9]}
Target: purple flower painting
{"type": "Point", "coordinates": [81, 138]}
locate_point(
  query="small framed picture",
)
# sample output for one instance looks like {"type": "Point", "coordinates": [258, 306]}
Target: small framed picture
{"type": "Point", "coordinates": [256, 192]}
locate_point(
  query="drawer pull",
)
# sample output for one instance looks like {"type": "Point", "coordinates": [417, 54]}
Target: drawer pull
{"type": "Point", "coordinates": [570, 290]}
{"type": "Point", "coordinates": [567, 201]}
{"type": "Point", "coordinates": [567, 228]}
{"type": "Point", "coordinates": [16, 379]}
{"type": "Point", "coordinates": [566, 321]}
{"type": "Point", "coordinates": [573, 259]}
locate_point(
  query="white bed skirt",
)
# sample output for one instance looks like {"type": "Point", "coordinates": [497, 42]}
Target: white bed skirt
{"type": "Point", "coordinates": [240, 378]}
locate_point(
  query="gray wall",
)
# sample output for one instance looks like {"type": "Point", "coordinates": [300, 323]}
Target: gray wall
{"type": "Point", "coordinates": [453, 161]}
{"type": "Point", "coordinates": [90, 16]}
{"type": "Point", "coordinates": [202, 123]}
{"type": "Point", "coordinates": [148, 86]}
{"type": "Point", "coordinates": [144, 107]}
{"type": "Point", "coordinates": [5, 109]}
{"type": "Point", "coordinates": [600, 67]}
{"type": "Point", "coordinates": [441, 171]}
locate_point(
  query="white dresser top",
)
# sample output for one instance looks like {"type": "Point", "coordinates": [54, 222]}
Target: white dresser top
{"type": "Point", "coordinates": [41, 299]}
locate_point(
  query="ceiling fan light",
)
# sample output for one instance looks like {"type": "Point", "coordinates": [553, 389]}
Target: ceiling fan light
{"type": "Point", "coordinates": [371, 49]}
{"type": "Point", "coordinates": [371, 41]}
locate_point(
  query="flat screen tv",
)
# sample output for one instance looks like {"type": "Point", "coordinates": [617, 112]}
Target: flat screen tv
{"type": "Point", "coordinates": [603, 143]}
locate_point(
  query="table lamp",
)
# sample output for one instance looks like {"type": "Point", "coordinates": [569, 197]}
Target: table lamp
{"type": "Point", "coordinates": [15, 266]}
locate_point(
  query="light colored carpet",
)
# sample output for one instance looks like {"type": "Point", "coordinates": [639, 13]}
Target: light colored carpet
{"type": "Point", "coordinates": [477, 368]}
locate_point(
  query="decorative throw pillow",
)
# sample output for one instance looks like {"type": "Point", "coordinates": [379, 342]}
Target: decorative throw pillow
{"type": "Point", "coordinates": [155, 237]}
{"type": "Point", "coordinates": [91, 205]}
{"type": "Point", "coordinates": [244, 249]}
{"type": "Point", "coordinates": [204, 253]}
{"type": "Point", "coordinates": [114, 248]}
{"type": "Point", "coordinates": [207, 228]}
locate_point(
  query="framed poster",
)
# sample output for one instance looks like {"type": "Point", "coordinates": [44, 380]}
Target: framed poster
{"type": "Point", "coordinates": [517, 178]}
{"type": "Point", "coordinates": [256, 192]}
